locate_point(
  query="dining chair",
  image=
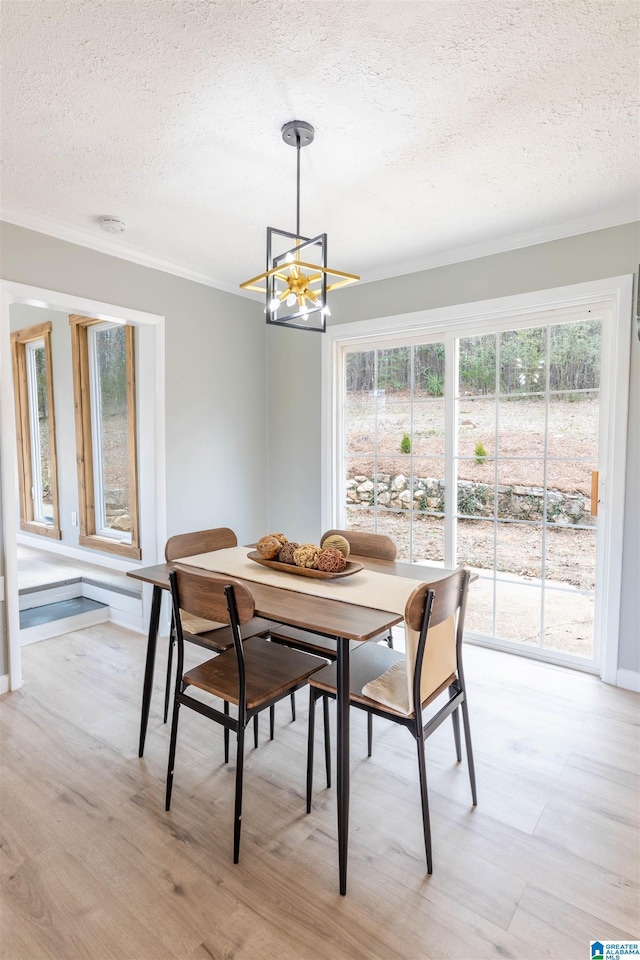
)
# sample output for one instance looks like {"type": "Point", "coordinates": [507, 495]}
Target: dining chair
{"type": "Point", "coordinates": [254, 674]}
{"type": "Point", "coordinates": [386, 683]}
{"type": "Point", "coordinates": [212, 636]}
{"type": "Point", "coordinates": [374, 545]}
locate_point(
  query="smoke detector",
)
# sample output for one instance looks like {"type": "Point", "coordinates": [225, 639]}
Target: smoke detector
{"type": "Point", "coordinates": [112, 224]}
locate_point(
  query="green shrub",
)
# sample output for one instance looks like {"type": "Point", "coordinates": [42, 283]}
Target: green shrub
{"type": "Point", "coordinates": [435, 385]}
{"type": "Point", "coordinates": [481, 453]}
{"type": "Point", "coordinates": [405, 443]}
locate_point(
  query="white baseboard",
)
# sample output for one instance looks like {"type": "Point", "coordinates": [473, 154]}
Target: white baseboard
{"type": "Point", "coordinates": [132, 621]}
{"type": "Point", "coordinates": [628, 680]}
{"type": "Point", "coordinates": [42, 598]}
{"type": "Point", "coordinates": [4, 683]}
{"type": "Point", "coordinates": [122, 609]}
{"type": "Point", "coordinates": [113, 599]}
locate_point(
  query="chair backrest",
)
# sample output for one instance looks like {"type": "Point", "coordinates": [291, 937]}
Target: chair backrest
{"type": "Point", "coordinates": [203, 595]}
{"type": "Point", "coordinates": [375, 545]}
{"type": "Point", "coordinates": [211, 597]}
{"type": "Point", "coordinates": [199, 541]}
{"type": "Point", "coordinates": [434, 619]}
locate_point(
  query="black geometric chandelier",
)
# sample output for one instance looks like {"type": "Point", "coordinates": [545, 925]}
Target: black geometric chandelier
{"type": "Point", "coordinates": [295, 281]}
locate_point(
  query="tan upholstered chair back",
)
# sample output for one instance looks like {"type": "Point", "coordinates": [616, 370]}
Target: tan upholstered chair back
{"type": "Point", "coordinates": [446, 625]}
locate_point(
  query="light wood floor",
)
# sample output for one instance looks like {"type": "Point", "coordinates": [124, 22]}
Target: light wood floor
{"type": "Point", "coordinates": [91, 867]}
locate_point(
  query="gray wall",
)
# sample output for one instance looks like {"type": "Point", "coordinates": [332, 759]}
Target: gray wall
{"type": "Point", "coordinates": [294, 376]}
{"type": "Point", "coordinates": [215, 376]}
{"type": "Point", "coordinates": [3, 616]}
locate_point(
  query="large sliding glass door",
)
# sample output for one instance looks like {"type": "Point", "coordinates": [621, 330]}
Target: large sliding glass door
{"type": "Point", "coordinates": [483, 450]}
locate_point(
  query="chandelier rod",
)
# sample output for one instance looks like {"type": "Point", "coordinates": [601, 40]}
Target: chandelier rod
{"type": "Point", "coordinates": [307, 293]}
{"type": "Point", "coordinates": [298, 184]}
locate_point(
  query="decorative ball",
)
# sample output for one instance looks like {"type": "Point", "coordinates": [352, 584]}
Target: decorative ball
{"type": "Point", "coordinates": [269, 547]}
{"type": "Point", "coordinates": [306, 555]}
{"type": "Point", "coordinates": [338, 543]}
{"type": "Point", "coordinates": [331, 560]}
{"type": "Point", "coordinates": [281, 537]}
{"type": "Point", "coordinates": [287, 551]}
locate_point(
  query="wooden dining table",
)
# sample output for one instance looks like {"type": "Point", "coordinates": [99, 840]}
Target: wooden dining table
{"type": "Point", "coordinates": [333, 618]}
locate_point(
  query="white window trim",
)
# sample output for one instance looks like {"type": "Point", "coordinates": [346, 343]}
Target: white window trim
{"type": "Point", "coordinates": [151, 432]}
{"type": "Point", "coordinates": [613, 295]}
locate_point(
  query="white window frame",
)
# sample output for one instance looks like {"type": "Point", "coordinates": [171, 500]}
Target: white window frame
{"type": "Point", "coordinates": [610, 297]}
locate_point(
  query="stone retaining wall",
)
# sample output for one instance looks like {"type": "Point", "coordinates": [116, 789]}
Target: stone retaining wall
{"type": "Point", "coordinates": [515, 502]}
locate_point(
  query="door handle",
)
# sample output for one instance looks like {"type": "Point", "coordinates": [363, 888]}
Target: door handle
{"type": "Point", "coordinates": [595, 482]}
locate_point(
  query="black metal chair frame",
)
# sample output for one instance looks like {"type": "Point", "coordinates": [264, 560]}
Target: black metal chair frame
{"type": "Point", "coordinates": [172, 633]}
{"type": "Point", "coordinates": [419, 730]}
{"type": "Point", "coordinates": [194, 638]}
{"type": "Point", "coordinates": [235, 724]}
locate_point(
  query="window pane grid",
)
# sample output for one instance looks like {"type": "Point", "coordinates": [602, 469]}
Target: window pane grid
{"type": "Point", "coordinates": [520, 505]}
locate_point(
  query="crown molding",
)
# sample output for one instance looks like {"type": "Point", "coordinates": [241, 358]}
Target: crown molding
{"type": "Point", "coordinates": [530, 238]}
{"type": "Point", "coordinates": [85, 238]}
{"type": "Point", "coordinates": [114, 248]}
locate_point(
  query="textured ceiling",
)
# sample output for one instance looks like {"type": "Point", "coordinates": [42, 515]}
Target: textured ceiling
{"type": "Point", "coordinates": [443, 127]}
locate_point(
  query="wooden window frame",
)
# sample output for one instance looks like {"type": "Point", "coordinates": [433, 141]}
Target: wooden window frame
{"type": "Point", "coordinates": [19, 341]}
{"type": "Point", "coordinates": [88, 536]}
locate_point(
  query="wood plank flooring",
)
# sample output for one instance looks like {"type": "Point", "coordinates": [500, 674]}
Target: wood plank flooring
{"type": "Point", "coordinates": [92, 868]}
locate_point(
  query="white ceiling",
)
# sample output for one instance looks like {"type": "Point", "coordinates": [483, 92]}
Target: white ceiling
{"type": "Point", "coordinates": [444, 128]}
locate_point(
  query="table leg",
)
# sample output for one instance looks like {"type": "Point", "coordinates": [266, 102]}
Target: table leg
{"type": "Point", "coordinates": [342, 710]}
{"type": "Point", "coordinates": [154, 622]}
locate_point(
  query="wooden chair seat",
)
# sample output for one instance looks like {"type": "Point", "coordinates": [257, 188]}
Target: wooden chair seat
{"type": "Point", "coordinates": [221, 638]}
{"type": "Point", "coordinates": [314, 643]}
{"type": "Point", "coordinates": [271, 671]}
{"type": "Point", "coordinates": [368, 663]}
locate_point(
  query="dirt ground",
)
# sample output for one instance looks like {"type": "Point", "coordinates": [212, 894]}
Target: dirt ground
{"type": "Point", "coordinates": [514, 439]}
{"type": "Point", "coordinates": [568, 604]}
{"type": "Point", "coordinates": [515, 447]}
